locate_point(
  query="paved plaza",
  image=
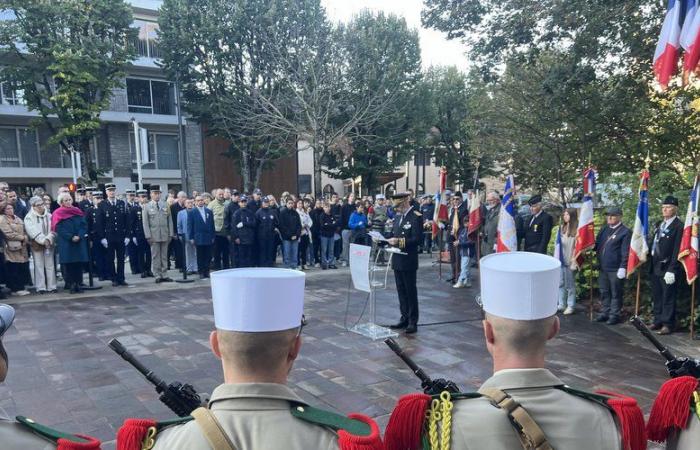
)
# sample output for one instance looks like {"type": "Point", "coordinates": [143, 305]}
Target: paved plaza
{"type": "Point", "coordinates": [63, 374]}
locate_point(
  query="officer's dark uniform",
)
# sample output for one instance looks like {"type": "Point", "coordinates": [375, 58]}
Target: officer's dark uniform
{"type": "Point", "coordinates": [407, 229]}
{"type": "Point", "coordinates": [537, 230]}
{"type": "Point", "coordinates": [142, 249]}
{"type": "Point", "coordinates": [229, 211]}
{"type": "Point", "coordinates": [131, 250]}
{"type": "Point", "coordinates": [83, 204]}
{"type": "Point", "coordinates": [243, 227]}
{"type": "Point", "coordinates": [97, 251]}
{"type": "Point", "coordinates": [266, 236]}
{"type": "Point", "coordinates": [112, 225]}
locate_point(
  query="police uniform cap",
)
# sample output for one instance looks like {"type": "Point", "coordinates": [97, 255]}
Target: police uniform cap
{"type": "Point", "coordinates": [80, 190]}
{"type": "Point", "coordinates": [265, 199]}
{"type": "Point", "coordinates": [257, 191]}
{"type": "Point", "coordinates": [110, 186]}
{"type": "Point", "coordinates": [535, 199]}
{"type": "Point", "coordinates": [670, 200]}
{"type": "Point", "coordinates": [613, 211]}
{"type": "Point", "coordinates": [243, 198]}
{"type": "Point", "coordinates": [90, 189]}
{"type": "Point", "coordinates": [155, 188]}
{"type": "Point", "coordinates": [98, 194]}
{"type": "Point", "coordinates": [379, 197]}
{"type": "Point", "coordinates": [130, 191]}
{"type": "Point", "coordinates": [235, 192]}
{"type": "Point", "coordinates": [142, 192]}
{"type": "Point", "coordinates": [7, 316]}
{"type": "Point", "coordinates": [398, 198]}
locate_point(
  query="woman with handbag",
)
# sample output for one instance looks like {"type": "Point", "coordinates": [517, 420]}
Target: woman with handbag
{"type": "Point", "coordinates": [16, 256]}
{"type": "Point", "coordinates": [42, 243]}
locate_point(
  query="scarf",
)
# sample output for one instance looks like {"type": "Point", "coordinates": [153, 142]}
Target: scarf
{"type": "Point", "coordinates": [62, 213]}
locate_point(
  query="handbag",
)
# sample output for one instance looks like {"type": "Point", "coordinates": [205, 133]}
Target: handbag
{"type": "Point", "coordinates": [14, 246]}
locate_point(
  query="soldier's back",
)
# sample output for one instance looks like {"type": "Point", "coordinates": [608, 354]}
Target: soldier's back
{"type": "Point", "coordinates": [15, 437]}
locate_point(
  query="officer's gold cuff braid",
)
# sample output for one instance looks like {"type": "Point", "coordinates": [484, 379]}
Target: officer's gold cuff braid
{"type": "Point", "coordinates": [696, 398]}
{"type": "Point", "coordinates": [402, 242]}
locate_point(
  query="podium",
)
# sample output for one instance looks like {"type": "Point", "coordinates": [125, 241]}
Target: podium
{"type": "Point", "coordinates": [370, 278]}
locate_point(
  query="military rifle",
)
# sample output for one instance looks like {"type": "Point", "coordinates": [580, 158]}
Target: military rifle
{"type": "Point", "coordinates": [429, 386]}
{"type": "Point", "coordinates": [182, 399]}
{"type": "Point", "coordinates": [676, 367]}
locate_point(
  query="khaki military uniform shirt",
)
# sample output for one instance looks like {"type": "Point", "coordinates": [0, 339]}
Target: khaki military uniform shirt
{"type": "Point", "coordinates": [568, 422]}
{"type": "Point", "coordinates": [157, 223]}
{"type": "Point", "coordinates": [14, 436]}
{"type": "Point", "coordinates": [255, 416]}
{"type": "Point", "coordinates": [688, 439]}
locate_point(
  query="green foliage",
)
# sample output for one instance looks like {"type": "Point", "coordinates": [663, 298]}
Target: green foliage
{"type": "Point", "coordinates": [68, 56]}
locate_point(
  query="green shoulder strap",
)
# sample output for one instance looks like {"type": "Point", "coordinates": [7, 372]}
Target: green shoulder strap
{"type": "Point", "coordinates": [48, 433]}
{"type": "Point", "coordinates": [459, 395]}
{"type": "Point", "coordinates": [170, 422]}
{"type": "Point", "coordinates": [330, 419]}
{"type": "Point", "coordinates": [593, 397]}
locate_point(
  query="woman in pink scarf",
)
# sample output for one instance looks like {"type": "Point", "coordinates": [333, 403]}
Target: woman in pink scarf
{"type": "Point", "coordinates": [68, 222]}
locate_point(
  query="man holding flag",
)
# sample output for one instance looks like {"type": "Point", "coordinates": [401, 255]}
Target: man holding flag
{"type": "Point", "coordinates": [507, 236]}
{"type": "Point", "coordinates": [612, 248]}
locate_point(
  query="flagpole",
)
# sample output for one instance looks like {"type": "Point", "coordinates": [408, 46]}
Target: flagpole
{"type": "Point", "coordinates": [590, 285]}
{"type": "Point", "coordinates": [692, 310]}
{"type": "Point", "coordinates": [639, 285]}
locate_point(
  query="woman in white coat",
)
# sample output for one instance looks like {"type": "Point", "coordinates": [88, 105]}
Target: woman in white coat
{"type": "Point", "coordinates": [37, 224]}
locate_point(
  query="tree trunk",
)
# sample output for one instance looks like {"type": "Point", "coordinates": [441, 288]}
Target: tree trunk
{"type": "Point", "coordinates": [318, 179]}
{"type": "Point", "coordinates": [258, 173]}
{"type": "Point", "coordinates": [245, 169]}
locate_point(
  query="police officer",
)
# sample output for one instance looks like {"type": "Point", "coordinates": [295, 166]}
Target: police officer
{"type": "Point", "coordinates": [664, 267]}
{"type": "Point", "coordinates": [406, 236]}
{"type": "Point", "coordinates": [266, 233]}
{"type": "Point", "coordinates": [158, 230]}
{"type": "Point", "coordinates": [258, 314]}
{"type": "Point", "coordinates": [97, 251]}
{"type": "Point", "coordinates": [229, 211]}
{"type": "Point", "coordinates": [612, 248]}
{"type": "Point", "coordinates": [524, 405]}
{"type": "Point", "coordinates": [111, 226]}
{"type": "Point", "coordinates": [537, 227]}
{"type": "Point", "coordinates": [243, 230]}
{"type": "Point", "coordinates": [138, 237]}
{"type": "Point", "coordinates": [131, 250]}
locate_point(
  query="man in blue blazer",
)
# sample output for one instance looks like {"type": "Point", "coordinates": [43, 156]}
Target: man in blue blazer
{"type": "Point", "coordinates": [200, 232]}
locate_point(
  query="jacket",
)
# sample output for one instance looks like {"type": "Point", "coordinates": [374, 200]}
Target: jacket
{"type": "Point", "coordinates": [157, 223]}
{"type": "Point", "coordinates": [345, 212]}
{"type": "Point", "coordinates": [328, 225]}
{"type": "Point", "coordinates": [357, 221]}
{"type": "Point", "coordinates": [38, 228]}
{"type": "Point", "coordinates": [136, 222]}
{"type": "Point", "coordinates": [407, 228]}
{"type": "Point", "coordinates": [229, 211]}
{"type": "Point", "coordinates": [612, 247]}
{"type": "Point", "coordinates": [198, 230]}
{"type": "Point", "coordinates": [489, 229]}
{"type": "Point", "coordinates": [111, 221]}
{"type": "Point", "coordinates": [15, 239]}
{"type": "Point", "coordinates": [218, 208]}
{"type": "Point", "coordinates": [466, 245]}
{"type": "Point", "coordinates": [69, 251]}
{"type": "Point", "coordinates": [182, 222]}
{"type": "Point", "coordinates": [266, 219]}
{"type": "Point", "coordinates": [289, 224]}
{"type": "Point", "coordinates": [665, 257]}
{"type": "Point", "coordinates": [306, 223]}
{"type": "Point", "coordinates": [244, 226]}
{"type": "Point", "coordinates": [315, 215]}
{"type": "Point", "coordinates": [537, 232]}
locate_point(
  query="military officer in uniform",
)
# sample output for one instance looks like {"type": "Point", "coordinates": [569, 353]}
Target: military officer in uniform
{"type": "Point", "coordinates": [138, 237]}
{"type": "Point", "coordinates": [243, 233]}
{"type": "Point", "coordinates": [158, 229]}
{"type": "Point", "coordinates": [258, 314]}
{"type": "Point", "coordinates": [112, 231]}
{"type": "Point", "coordinates": [97, 251]}
{"type": "Point", "coordinates": [523, 402]}
{"type": "Point", "coordinates": [266, 233]}
{"type": "Point", "coordinates": [86, 201]}
{"type": "Point", "coordinates": [665, 268]}
{"type": "Point", "coordinates": [538, 227]}
{"type": "Point", "coordinates": [131, 251]}
{"type": "Point", "coordinates": [406, 236]}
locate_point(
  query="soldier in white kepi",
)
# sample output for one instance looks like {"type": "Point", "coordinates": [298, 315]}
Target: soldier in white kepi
{"type": "Point", "coordinates": [258, 315]}
{"type": "Point", "coordinates": [523, 405]}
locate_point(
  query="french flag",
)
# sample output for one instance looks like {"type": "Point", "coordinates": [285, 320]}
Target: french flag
{"type": "Point", "coordinates": [440, 214]}
{"type": "Point", "coordinates": [666, 55]}
{"type": "Point", "coordinates": [506, 234]}
{"type": "Point", "coordinates": [639, 248]}
{"type": "Point", "coordinates": [690, 39]}
{"type": "Point", "coordinates": [688, 252]}
{"type": "Point", "coordinates": [558, 254]}
{"type": "Point", "coordinates": [475, 218]}
{"type": "Point", "coordinates": [585, 234]}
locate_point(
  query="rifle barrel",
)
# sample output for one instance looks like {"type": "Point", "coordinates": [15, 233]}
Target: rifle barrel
{"type": "Point", "coordinates": [405, 358]}
{"type": "Point", "coordinates": [120, 350]}
{"type": "Point", "coordinates": [646, 332]}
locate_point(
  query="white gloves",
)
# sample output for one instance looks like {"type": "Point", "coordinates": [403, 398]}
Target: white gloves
{"type": "Point", "coordinates": [136, 242]}
{"type": "Point", "coordinates": [126, 241]}
{"type": "Point", "coordinates": [621, 273]}
{"type": "Point", "coordinates": [670, 277]}
{"type": "Point", "coordinates": [240, 225]}
{"type": "Point", "coordinates": [104, 243]}
{"type": "Point", "coordinates": [441, 226]}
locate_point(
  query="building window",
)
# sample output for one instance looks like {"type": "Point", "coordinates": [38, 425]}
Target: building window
{"type": "Point", "coordinates": [66, 160]}
{"type": "Point", "coordinates": [10, 94]}
{"type": "Point", "coordinates": [146, 42]}
{"type": "Point", "coordinates": [162, 151]}
{"type": "Point", "coordinates": [150, 96]}
{"type": "Point", "coordinates": [19, 147]}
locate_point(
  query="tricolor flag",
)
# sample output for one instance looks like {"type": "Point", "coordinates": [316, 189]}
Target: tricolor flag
{"type": "Point", "coordinates": [440, 214]}
{"type": "Point", "coordinates": [475, 218]}
{"type": "Point", "coordinates": [557, 247]}
{"type": "Point", "coordinates": [639, 248]}
{"type": "Point", "coordinates": [585, 234]}
{"type": "Point", "coordinates": [666, 55]}
{"type": "Point", "coordinates": [690, 39]}
{"type": "Point", "coordinates": [688, 252]}
{"type": "Point", "coordinates": [506, 234]}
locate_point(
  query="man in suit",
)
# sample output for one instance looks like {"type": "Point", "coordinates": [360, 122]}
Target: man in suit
{"type": "Point", "coordinates": [456, 214]}
{"type": "Point", "coordinates": [406, 235]}
{"type": "Point", "coordinates": [612, 249]}
{"type": "Point", "coordinates": [665, 267]}
{"type": "Point", "coordinates": [175, 247]}
{"type": "Point", "coordinates": [201, 233]}
{"type": "Point", "coordinates": [112, 230]}
{"type": "Point", "coordinates": [490, 212]}
{"type": "Point", "coordinates": [537, 228]}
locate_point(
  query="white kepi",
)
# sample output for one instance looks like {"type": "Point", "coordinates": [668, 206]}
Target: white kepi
{"type": "Point", "coordinates": [520, 285]}
{"type": "Point", "coordinates": [258, 299]}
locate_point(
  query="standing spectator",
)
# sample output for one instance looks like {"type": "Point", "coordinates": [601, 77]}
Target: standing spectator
{"type": "Point", "coordinates": [492, 209]}
{"type": "Point", "coordinates": [200, 232]}
{"type": "Point", "coordinates": [190, 249]}
{"type": "Point", "coordinates": [175, 248]}
{"type": "Point", "coordinates": [345, 212]}
{"type": "Point", "coordinates": [17, 204]}
{"type": "Point", "coordinates": [16, 256]}
{"type": "Point", "coordinates": [665, 267]}
{"type": "Point", "coordinates": [266, 233]}
{"type": "Point", "coordinates": [457, 213]}
{"type": "Point", "coordinates": [254, 203]}
{"type": "Point", "coordinates": [305, 239]}
{"type": "Point", "coordinates": [466, 251]}
{"type": "Point", "coordinates": [112, 230]}
{"type": "Point", "coordinates": [567, 286]}
{"type": "Point", "coordinates": [358, 223]}
{"type": "Point", "coordinates": [68, 222]}
{"type": "Point", "coordinates": [315, 215]}
{"type": "Point", "coordinates": [328, 227]}
{"type": "Point", "coordinates": [290, 229]}
{"type": "Point", "coordinates": [42, 242]}
{"type": "Point", "coordinates": [612, 247]}
{"type": "Point", "coordinates": [244, 226]}
{"type": "Point", "coordinates": [229, 211]}
{"type": "Point", "coordinates": [537, 227]}
{"type": "Point", "coordinates": [158, 230]}
{"type": "Point", "coordinates": [427, 209]}
{"type": "Point", "coordinates": [221, 242]}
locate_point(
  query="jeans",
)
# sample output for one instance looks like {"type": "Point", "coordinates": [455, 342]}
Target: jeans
{"type": "Point", "coordinates": [346, 245]}
{"type": "Point", "coordinates": [465, 268]}
{"type": "Point", "coordinates": [567, 288]}
{"type": "Point", "coordinates": [327, 255]}
{"type": "Point", "coordinates": [290, 252]}
{"type": "Point", "coordinates": [610, 294]}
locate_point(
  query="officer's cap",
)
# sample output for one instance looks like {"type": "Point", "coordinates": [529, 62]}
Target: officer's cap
{"type": "Point", "coordinates": [80, 190]}
{"type": "Point", "coordinates": [670, 200]}
{"type": "Point", "coordinates": [265, 199]}
{"type": "Point", "coordinates": [130, 191]}
{"type": "Point", "coordinates": [535, 199]}
{"type": "Point", "coordinates": [257, 299]}
{"type": "Point", "coordinates": [110, 186]}
{"type": "Point", "coordinates": [520, 285]}
{"type": "Point", "coordinates": [142, 192]}
{"type": "Point", "coordinates": [235, 192]}
{"type": "Point", "coordinates": [379, 197]}
{"type": "Point", "coordinates": [244, 198]}
{"type": "Point", "coordinates": [155, 188]}
{"type": "Point", "coordinates": [98, 194]}
{"type": "Point", "coordinates": [7, 316]}
{"type": "Point", "coordinates": [613, 211]}
{"type": "Point", "coordinates": [90, 189]}
{"type": "Point", "coordinates": [257, 191]}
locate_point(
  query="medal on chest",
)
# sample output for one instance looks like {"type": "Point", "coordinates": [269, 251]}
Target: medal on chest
{"type": "Point", "coordinates": [535, 228]}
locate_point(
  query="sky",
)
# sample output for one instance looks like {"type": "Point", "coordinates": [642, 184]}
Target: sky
{"type": "Point", "coordinates": [435, 48]}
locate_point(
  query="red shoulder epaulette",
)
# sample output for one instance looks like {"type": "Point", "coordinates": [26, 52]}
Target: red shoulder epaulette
{"type": "Point", "coordinates": [405, 428]}
{"type": "Point", "coordinates": [134, 433]}
{"type": "Point", "coordinates": [630, 417]}
{"type": "Point", "coordinates": [671, 408]}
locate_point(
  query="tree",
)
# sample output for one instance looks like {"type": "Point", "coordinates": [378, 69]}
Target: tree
{"type": "Point", "coordinates": [67, 56]}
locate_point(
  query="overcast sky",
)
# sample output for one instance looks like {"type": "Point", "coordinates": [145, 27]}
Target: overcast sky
{"type": "Point", "coordinates": [435, 48]}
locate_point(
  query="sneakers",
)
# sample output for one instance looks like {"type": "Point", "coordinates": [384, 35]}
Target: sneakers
{"type": "Point", "coordinates": [317, 265]}
{"type": "Point", "coordinates": [21, 293]}
{"type": "Point", "coordinates": [468, 283]}
{"type": "Point", "coordinates": [569, 310]}
{"type": "Point", "coordinates": [458, 285]}
{"type": "Point", "coordinates": [560, 308]}
{"type": "Point", "coordinates": [344, 264]}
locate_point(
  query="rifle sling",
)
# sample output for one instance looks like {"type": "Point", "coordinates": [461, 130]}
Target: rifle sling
{"type": "Point", "coordinates": [211, 429]}
{"type": "Point", "coordinates": [530, 434]}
